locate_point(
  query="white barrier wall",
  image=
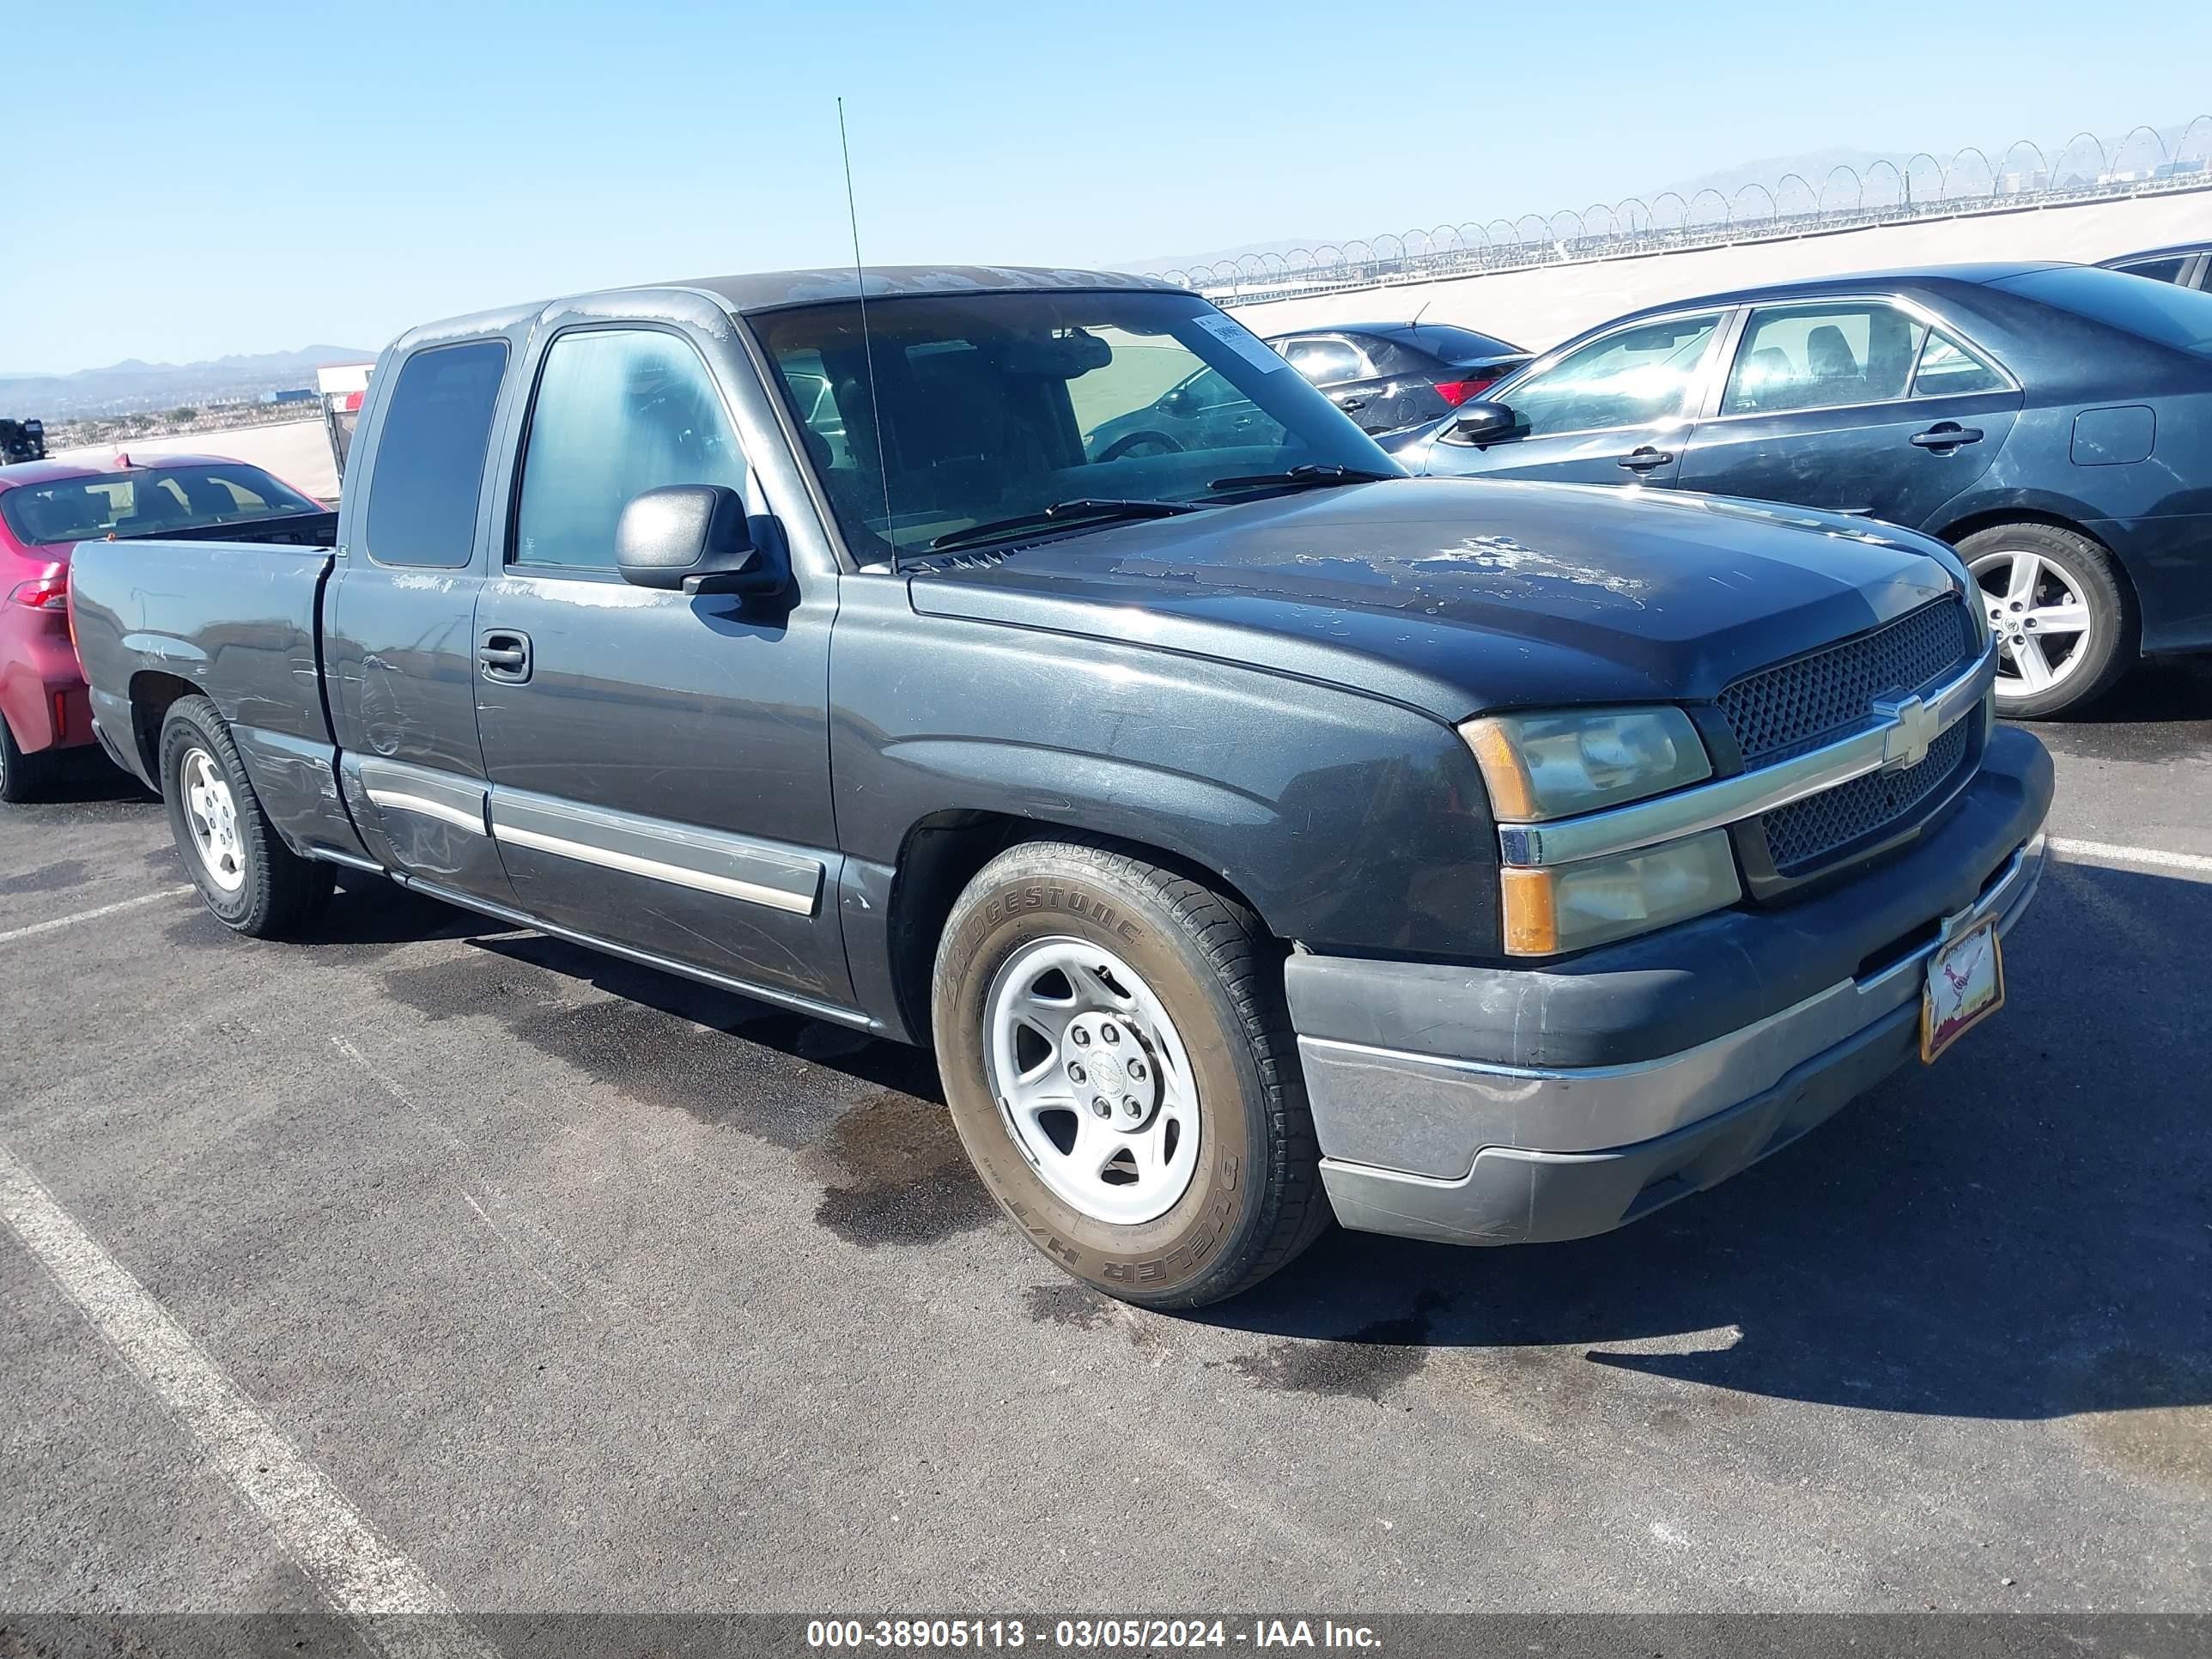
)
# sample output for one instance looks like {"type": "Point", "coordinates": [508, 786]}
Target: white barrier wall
{"type": "Point", "coordinates": [1541, 306]}
{"type": "Point", "coordinates": [298, 451]}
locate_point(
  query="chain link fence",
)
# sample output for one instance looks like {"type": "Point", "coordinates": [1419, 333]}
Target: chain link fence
{"type": "Point", "coordinates": [2023, 177]}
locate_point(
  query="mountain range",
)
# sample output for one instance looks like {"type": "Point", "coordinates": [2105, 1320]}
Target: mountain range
{"type": "Point", "coordinates": [132, 387]}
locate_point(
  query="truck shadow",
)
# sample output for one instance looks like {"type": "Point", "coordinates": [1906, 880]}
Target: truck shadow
{"type": "Point", "coordinates": [2024, 1230]}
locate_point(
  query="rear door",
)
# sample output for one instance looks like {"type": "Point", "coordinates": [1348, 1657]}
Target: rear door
{"type": "Point", "coordinates": [1860, 405]}
{"type": "Point", "coordinates": [399, 615]}
{"type": "Point", "coordinates": [1617, 409]}
{"type": "Point", "coordinates": [1339, 365]}
{"type": "Point", "coordinates": [660, 761]}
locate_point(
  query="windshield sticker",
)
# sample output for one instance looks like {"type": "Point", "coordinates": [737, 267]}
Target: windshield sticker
{"type": "Point", "coordinates": [1240, 340]}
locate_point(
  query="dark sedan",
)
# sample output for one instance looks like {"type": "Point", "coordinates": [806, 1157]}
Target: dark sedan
{"type": "Point", "coordinates": [2187, 264]}
{"type": "Point", "coordinates": [1388, 375]}
{"type": "Point", "coordinates": [2054, 422]}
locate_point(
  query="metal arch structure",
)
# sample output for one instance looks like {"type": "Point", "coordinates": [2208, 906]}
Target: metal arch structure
{"type": "Point", "coordinates": [2104, 165]}
{"type": "Point", "coordinates": [1806, 193]}
{"type": "Point", "coordinates": [1989, 174]}
{"type": "Point", "coordinates": [1934, 167]}
{"type": "Point", "coordinates": [2042, 173]}
{"type": "Point", "coordinates": [2120, 151]}
{"type": "Point", "coordinates": [1741, 191]}
{"type": "Point", "coordinates": [2083, 169]}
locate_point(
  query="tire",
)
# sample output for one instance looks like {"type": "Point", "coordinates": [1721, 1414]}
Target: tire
{"type": "Point", "coordinates": [22, 777]}
{"type": "Point", "coordinates": [1141, 443]}
{"type": "Point", "coordinates": [1224, 1070]}
{"type": "Point", "coordinates": [2066, 575]}
{"type": "Point", "coordinates": [251, 881]}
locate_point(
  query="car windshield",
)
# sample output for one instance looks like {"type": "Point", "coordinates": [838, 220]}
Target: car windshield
{"type": "Point", "coordinates": [149, 501]}
{"type": "Point", "coordinates": [994, 407]}
{"type": "Point", "coordinates": [2157, 311]}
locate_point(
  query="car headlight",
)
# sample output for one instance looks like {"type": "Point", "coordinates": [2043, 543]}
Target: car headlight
{"type": "Point", "coordinates": [1541, 767]}
{"type": "Point", "coordinates": [1551, 766]}
{"type": "Point", "coordinates": [1571, 907]}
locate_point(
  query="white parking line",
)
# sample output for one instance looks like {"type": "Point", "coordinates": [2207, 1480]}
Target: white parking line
{"type": "Point", "coordinates": [57, 923]}
{"type": "Point", "coordinates": [360, 1576]}
{"type": "Point", "coordinates": [2104, 852]}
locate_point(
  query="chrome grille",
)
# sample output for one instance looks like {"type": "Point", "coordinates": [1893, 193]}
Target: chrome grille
{"type": "Point", "coordinates": [1800, 835]}
{"type": "Point", "coordinates": [1832, 690]}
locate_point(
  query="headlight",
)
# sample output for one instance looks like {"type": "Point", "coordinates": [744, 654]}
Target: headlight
{"type": "Point", "coordinates": [1549, 766]}
{"type": "Point", "coordinates": [1571, 907]}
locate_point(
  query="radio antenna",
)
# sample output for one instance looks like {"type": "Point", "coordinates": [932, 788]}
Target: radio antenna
{"type": "Point", "coordinates": [868, 342]}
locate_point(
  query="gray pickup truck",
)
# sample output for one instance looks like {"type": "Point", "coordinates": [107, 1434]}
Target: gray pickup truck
{"type": "Point", "coordinates": [1258, 834]}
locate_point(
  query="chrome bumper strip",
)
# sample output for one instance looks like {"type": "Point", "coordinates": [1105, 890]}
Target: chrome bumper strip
{"type": "Point", "coordinates": [1900, 737]}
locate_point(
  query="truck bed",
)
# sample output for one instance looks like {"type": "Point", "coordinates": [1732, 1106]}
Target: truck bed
{"type": "Point", "coordinates": [237, 620]}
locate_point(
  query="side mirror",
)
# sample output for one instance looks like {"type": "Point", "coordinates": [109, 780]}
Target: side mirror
{"type": "Point", "coordinates": [1484, 424]}
{"type": "Point", "coordinates": [695, 538]}
{"type": "Point", "coordinates": [1181, 403]}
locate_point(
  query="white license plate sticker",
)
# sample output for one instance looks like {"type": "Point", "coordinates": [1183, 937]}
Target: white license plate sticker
{"type": "Point", "coordinates": [1964, 987]}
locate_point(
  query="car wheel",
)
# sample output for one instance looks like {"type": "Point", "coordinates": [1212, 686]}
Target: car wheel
{"type": "Point", "coordinates": [1141, 443]}
{"type": "Point", "coordinates": [250, 879]}
{"type": "Point", "coordinates": [2064, 627]}
{"type": "Point", "coordinates": [21, 777]}
{"type": "Point", "coordinates": [1120, 1066]}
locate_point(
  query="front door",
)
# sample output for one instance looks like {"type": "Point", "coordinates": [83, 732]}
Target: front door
{"type": "Point", "coordinates": [1854, 406]}
{"type": "Point", "coordinates": [660, 761]}
{"type": "Point", "coordinates": [1616, 409]}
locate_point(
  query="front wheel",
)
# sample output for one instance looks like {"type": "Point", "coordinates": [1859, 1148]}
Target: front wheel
{"type": "Point", "coordinates": [1120, 1070]}
{"type": "Point", "coordinates": [2062, 620]}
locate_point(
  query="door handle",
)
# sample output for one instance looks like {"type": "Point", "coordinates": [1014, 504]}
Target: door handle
{"type": "Point", "coordinates": [1945, 436]}
{"type": "Point", "coordinates": [1643, 459]}
{"type": "Point", "coordinates": [1348, 404]}
{"type": "Point", "coordinates": [505, 656]}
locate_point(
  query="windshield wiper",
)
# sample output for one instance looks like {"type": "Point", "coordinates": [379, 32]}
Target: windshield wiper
{"type": "Point", "coordinates": [1308, 472]}
{"type": "Point", "coordinates": [1069, 513]}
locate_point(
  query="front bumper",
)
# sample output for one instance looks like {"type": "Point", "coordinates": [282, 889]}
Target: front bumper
{"type": "Point", "coordinates": [1484, 1106]}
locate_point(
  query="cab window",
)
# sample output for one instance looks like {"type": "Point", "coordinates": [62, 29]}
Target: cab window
{"type": "Point", "coordinates": [617, 412]}
{"type": "Point", "coordinates": [428, 473]}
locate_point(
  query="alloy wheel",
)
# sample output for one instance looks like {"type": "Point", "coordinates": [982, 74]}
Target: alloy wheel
{"type": "Point", "coordinates": [2039, 617]}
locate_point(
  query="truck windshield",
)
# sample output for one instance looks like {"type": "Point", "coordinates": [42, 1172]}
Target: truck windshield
{"type": "Point", "coordinates": [150, 500]}
{"type": "Point", "coordinates": [994, 407]}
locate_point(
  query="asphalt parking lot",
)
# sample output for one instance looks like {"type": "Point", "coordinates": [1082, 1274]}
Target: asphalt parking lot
{"type": "Point", "coordinates": [583, 1287]}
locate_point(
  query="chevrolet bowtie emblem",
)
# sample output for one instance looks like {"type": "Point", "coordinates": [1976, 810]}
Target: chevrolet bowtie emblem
{"type": "Point", "coordinates": [1912, 728]}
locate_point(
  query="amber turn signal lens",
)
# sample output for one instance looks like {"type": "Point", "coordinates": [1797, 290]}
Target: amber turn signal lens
{"type": "Point", "coordinates": [1532, 915]}
{"type": "Point", "coordinates": [1512, 797]}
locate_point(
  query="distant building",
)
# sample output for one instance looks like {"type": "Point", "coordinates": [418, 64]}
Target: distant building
{"type": "Point", "coordinates": [300, 395]}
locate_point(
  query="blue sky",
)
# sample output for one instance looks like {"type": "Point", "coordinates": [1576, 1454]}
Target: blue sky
{"type": "Point", "coordinates": [211, 178]}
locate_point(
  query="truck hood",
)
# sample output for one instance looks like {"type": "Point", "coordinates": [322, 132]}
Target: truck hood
{"type": "Point", "coordinates": [1456, 595]}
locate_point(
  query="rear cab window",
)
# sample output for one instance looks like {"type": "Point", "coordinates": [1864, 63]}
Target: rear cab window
{"type": "Point", "coordinates": [428, 476]}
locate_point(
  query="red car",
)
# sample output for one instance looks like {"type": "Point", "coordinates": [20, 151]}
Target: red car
{"type": "Point", "coordinates": [46, 508]}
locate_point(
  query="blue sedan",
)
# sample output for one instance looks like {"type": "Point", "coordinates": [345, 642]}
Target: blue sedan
{"type": "Point", "coordinates": [2053, 422]}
